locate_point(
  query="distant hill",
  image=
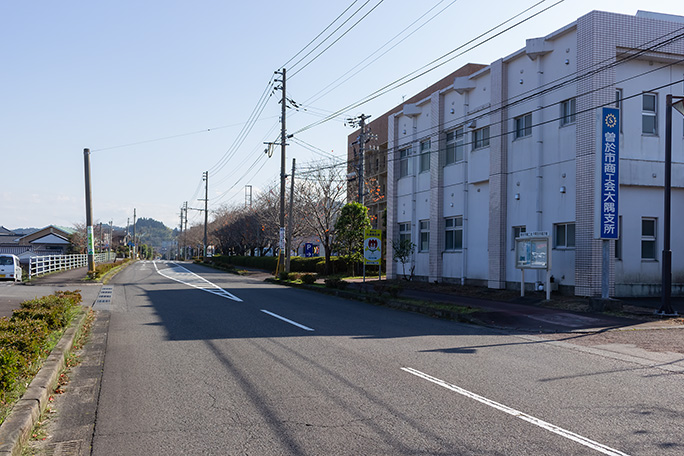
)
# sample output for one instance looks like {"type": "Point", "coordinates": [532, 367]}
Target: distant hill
{"type": "Point", "coordinates": [152, 232]}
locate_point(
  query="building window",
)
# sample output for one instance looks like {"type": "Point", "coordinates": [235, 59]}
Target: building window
{"type": "Point", "coordinates": [404, 161]}
{"type": "Point", "coordinates": [404, 232]}
{"type": "Point", "coordinates": [454, 146]}
{"type": "Point", "coordinates": [568, 111]}
{"type": "Point", "coordinates": [425, 155]}
{"type": "Point", "coordinates": [424, 236]}
{"type": "Point", "coordinates": [648, 239]}
{"type": "Point", "coordinates": [523, 126]}
{"type": "Point", "coordinates": [516, 233]}
{"type": "Point", "coordinates": [564, 235]}
{"type": "Point", "coordinates": [481, 138]}
{"type": "Point", "coordinates": [649, 114]}
{"type": "Point", "coordinates": [453, 233]}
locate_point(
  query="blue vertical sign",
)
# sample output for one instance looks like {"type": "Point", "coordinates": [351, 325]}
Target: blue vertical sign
{"type": "Point", "coordinates": [610, 167]}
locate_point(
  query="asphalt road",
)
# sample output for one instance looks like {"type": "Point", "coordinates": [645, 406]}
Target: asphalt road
{"type": "Point", "coordinates": [218, 364]}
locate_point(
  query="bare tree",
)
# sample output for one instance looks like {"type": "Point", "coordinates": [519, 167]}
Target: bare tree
{"type": "Point", "coordinates": [322, 198]}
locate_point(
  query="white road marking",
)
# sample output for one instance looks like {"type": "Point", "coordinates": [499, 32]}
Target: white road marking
{"type": "Point", "coordinates": [182, 275]}
{"type": "Point", "coordinates": [523, 416]}
{"type": "Point", "coordinates": [286, 320]}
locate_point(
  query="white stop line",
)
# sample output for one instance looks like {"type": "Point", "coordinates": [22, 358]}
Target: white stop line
{"type": "Point", "coordinates": [182, 275]}
{"type": "Point", "coordinates": [523, 416]}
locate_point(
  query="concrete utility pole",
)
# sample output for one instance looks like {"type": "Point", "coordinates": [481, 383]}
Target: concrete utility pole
{"type": "Point", "coordinates": [361, 122]}
{"type": "Point", "coordinates": [290, 219]}
{"type": "Point", "coordinates": [128, 239]}
{"type": "Point", "coordinates": [185, 231]}
{"type": "Point", "coordinates": [206, 211]}
{"type": "Point", "coordinates": [283, 140]}
{"type": "Point", "coordinates": [362, 142]}
{"type": "Point", "coordinates": [90, 242]}
{"type": "Point", "coordinates": [135, 241]}
{"type": "Point", "coordinates": [111, 238]}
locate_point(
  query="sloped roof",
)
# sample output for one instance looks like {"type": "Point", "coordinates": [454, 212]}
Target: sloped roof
{"type": "Point", "coordinates": [51, 229]}
{"type": "Point", "coordinates": [5, 231]}
{"type": "Point", "coordinates": [51, 239]}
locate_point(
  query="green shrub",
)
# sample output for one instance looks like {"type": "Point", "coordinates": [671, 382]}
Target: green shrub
{"type": "Point", "coordinates": [302, 264]}
{"type": "Point", "coordinates": [25, 337]}
{"type": "Point", "coordinates": [284, 275]}
{"type": "Point", "coordinates": [268, 263]}
{"type": "Point", "coordinates": [308, 278]}
{"type": "Point", "coordinates": [335, 282]}
{"type": "Point", "coordinates": [337, 266]}
{"type": "Point", "coordinates": [12, 367]}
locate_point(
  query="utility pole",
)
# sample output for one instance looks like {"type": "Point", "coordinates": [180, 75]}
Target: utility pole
{"type": "Point", "coordinates": [290, 218]}
{"type": "Point", "coordinates": [185, 232]}
{"type": "Point", "coordinates": [361, 123]}
{"type": "Point", "coordinates": [101, 237]}
{"type": "Point", "coordinates": [283, 139]}
{"type": "Point", "coordinates": [135, 241]}
{"type": "Point", "coordinates": [128, 239]}
{"type": "Point", "coordinates": [206, 212]}
{"type": "Point", "coordinates": [111, 238]}
{"type": "Point", "coordinates": [90, 242]}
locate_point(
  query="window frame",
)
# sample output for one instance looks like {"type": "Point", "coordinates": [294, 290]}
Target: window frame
{"type": "Point", "coordinates": [405, 231]}
{"type": "Point", "coordinates": [523, 126]}
{"type": "Point", "coordinates": [649, 113]}
{"type": "Point", "coordinates": [651, 239]}
{"type": "Point", "coordinates": [405, 155]}
{"type": "Point", "coordinates": [481, 138]}
{"type": "Point", "coordinates": [515, 231]}
{"type": "Point", "coordinates": [453, 230]}
{"type": "Point", "coordinates": [424, 235]}
{"type": "Point", "coordinates": [425, 148]}
{"type": "Point", "coordinates": [565, 245]}
{"type": "Point", "coordinates": [568, 111]}
{"type": "Point", "coordinates": [455, 144]}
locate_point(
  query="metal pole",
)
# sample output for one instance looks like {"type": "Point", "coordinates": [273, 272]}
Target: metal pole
{"type": "Point", "coordinates": [605, 270]}
{"type": "Point", "coordinates": [666, 305]}
{"type": "Point", "coordinates": [288, 244]}
{"type": "Point", "coordinates": [89, 213]}
{"type": "Point", "coordinates": [206, 211]}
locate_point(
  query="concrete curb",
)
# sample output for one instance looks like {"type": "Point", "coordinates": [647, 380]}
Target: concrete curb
{"type": "Point", "coordinates": [16, 429]}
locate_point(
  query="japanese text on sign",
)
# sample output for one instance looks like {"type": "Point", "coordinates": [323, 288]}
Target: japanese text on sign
{"type": "Point", "coordinates": [610, 166]}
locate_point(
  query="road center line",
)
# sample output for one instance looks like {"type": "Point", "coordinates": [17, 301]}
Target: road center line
{"type": "Point", "coordinates": [523, 416]}
{"type": "Point", "coordinates": [306, 328]}
{"type": "Point", "coordinates": [212, 288]}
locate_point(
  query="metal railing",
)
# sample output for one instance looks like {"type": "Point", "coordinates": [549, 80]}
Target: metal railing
{"type": "Point", "coordinates": [40, 265]}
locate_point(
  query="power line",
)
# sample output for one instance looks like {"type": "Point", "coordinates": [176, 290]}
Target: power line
{"type": "Point", "coordinates": [422, 71]}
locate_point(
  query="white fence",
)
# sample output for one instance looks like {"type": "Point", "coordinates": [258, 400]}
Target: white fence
{"type": "Point", "coordinates": [39, 265]}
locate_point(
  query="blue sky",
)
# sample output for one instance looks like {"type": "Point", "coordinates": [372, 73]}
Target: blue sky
{"type": "Point", "coordinates": [160, 90]}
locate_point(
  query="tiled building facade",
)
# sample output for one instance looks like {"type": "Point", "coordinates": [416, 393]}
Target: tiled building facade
{"type": "Point", "coordinates": [512, 147]}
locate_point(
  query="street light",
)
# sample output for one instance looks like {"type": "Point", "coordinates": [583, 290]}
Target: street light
{"type": "Point", "coordinates": [666, 304]}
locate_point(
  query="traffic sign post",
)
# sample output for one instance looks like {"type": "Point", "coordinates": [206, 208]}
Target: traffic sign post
{"type": "Point", "coordinates": [372, 250]}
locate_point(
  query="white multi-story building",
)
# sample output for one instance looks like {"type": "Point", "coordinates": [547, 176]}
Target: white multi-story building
{"type": "Point", "coordinates": [513, 148]}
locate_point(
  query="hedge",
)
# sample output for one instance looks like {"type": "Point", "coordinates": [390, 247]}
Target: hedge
{"type": "Point", "coordinates": [25, 337]}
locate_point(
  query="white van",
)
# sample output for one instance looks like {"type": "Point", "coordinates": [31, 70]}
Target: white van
{"type": "Point", "coordinates": [10, 269]}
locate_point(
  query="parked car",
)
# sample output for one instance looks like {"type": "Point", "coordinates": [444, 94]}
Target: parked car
{"type": "Point", "coordinates": [10, 269]}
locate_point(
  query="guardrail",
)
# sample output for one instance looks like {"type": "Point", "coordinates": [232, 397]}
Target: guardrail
{"type": "Point", "coordinates": [39, 265]}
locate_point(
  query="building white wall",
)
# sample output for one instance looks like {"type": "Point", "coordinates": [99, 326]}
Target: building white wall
{"type": "Point", "coordinates": [548, 177]}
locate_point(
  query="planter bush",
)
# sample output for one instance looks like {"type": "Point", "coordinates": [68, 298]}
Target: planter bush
{"type": "Point", "coordinates": [308, 279]}
{"type": "Point", "coordinates": [26, 338]}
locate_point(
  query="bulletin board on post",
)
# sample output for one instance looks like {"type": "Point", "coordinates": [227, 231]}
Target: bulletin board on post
{"type": "Point", "coordinates": [532, 251]}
